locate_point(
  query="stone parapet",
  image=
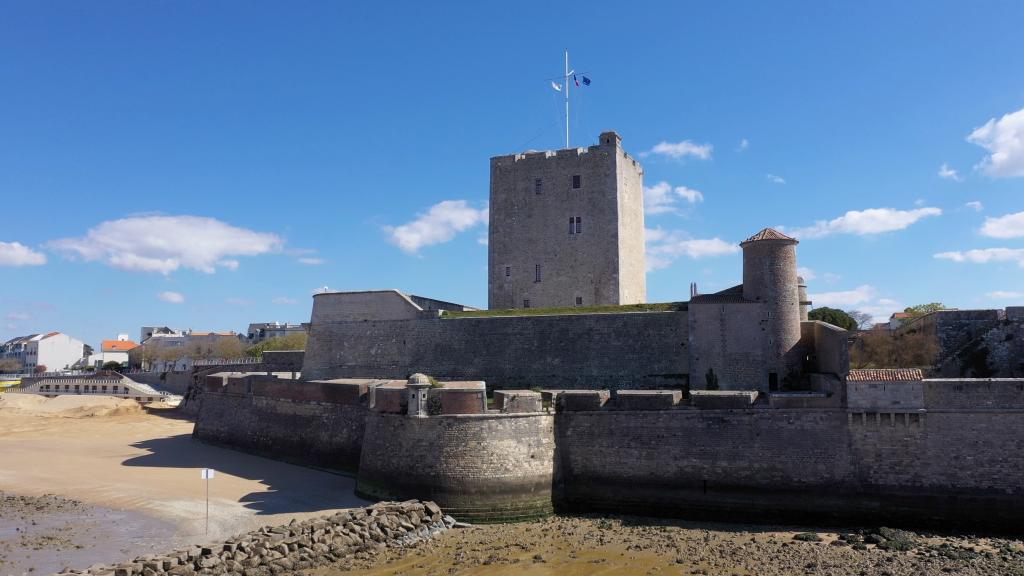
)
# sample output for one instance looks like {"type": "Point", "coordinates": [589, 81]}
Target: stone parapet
{"type": "Point", "coordinates": [646, 399]}
{"type": "Point", "coordinates": [581, 400]}
{"type": "Point", "coordinates": [723, 399]}
{"type": "Point", "coordinates": [517, 401]}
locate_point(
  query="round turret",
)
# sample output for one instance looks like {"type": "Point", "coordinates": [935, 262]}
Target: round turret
{"type": "Point", "coordinates": [769, 277]}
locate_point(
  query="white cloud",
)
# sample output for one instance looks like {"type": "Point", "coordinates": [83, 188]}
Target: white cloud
{"type": "Point", "coordinates": [774, 179]}
{"type": "Point", "coordinates": [864, 222]}
{"type": "Point", "coordinates": [1005, 295]}
{"type": "Point", "coordinates": [863, 298]}
{"type": "Point", "coordinates": [439, 225]}
{"type": "Point", "coordinates": [166, 243]}
{"type": "Point", "coordinates": [985, 255]}
{"type": "Point", "coordinates": [171, 297]}
{"type": "Point", "coordinates": [744, 144]}
{"type": "Point", "coordinates": [18, 316]}
{"type": "Point", "coordinates": [831, 278]}
{"type": "Point", "coordinates": [664, 247]}
{"type": "Point", "coordinates": [661, 198]}
{"type": "Point", "coordinates": [17, 254]}
{"type": "Point", "coordinates": [806, 273]}
{"type": "Point", "coordinates": [679, 150]}
{"type": "Point", "coordinates": [1004, 139]}
{"type": "Point", "coordinates": [845, 298]}
{"type": "Point", "coordinates": [1009, 226]}
{"type": "Point", "coordinates": [311, 261]}
{"type": "Point", "coordinates": [975, 205]}
{"type": "Point", "coordinates": [949, 173]}
{"type": "Point", "coordinates": [284, 300]}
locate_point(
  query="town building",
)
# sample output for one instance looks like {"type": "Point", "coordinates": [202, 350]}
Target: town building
{"type": "Point", "coordinates": [262, 331]}
{"type": "Point", "coordinates": [112, 351]}
{"type": "Point", "coordinates": [53, 351]}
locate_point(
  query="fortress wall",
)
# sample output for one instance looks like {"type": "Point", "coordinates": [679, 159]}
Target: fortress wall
{"type": "Point", "coordinates": [321, 434]}
{"type": "Point", "coordinates": [476, 467]}
{"type": "Point", "coordinates": [954, 467]}
{"type": "Point", "coordinates": [727, 338]}
{"type": "Point", "coordinates": [974, 393]}
{"type": "Point", "coordinates": [702, 462]}
{"type": "Point", "coordinates": [626, 350]}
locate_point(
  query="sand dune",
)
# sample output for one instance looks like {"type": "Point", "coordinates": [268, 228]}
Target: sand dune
{"type": "Point", "coordinates": [67, 406]}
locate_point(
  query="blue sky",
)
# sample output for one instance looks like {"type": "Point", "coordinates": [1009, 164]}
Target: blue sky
{"type": "Point", "coordinates": [208, 164]}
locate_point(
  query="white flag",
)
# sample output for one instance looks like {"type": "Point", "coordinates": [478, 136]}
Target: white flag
{"type": "Point", "coordinates": [556, 86]}
{"type": "Point", "coordinates": [208, 473]}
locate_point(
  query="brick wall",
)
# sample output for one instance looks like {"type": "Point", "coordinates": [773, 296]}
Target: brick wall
{"type": "Point", "coordinates": [628, 350]}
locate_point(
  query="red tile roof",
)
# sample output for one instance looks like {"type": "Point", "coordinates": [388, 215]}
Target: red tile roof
{"type": "Point", "coordinates": [768, 234]}
{"type": "Point", "coordinates": [900, 315]}
{"type": "Point", "coordinates": [118, 345]}
{"type": "Point", "coordinates": [886, 375]}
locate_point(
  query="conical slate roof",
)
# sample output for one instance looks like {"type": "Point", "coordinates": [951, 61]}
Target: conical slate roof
{"type": "Point", "coordinates": [768, 234]}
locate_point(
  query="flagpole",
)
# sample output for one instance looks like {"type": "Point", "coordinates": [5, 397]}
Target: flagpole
{"type": "Point", "coordinates": [566, 84]}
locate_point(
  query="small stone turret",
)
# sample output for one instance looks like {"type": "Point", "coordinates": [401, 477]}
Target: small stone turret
{"type": "Point", "coordinates": [418, 386]}
{"type": "Point", "coordinates": [769, 276]}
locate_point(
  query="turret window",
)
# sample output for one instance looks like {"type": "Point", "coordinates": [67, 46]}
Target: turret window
{"type": "Point", "coordinates": [536, 273]}
{"type": "Point", "coordinates": [538, 185]}
{"type": "Point", "coordinates": [576, 181]}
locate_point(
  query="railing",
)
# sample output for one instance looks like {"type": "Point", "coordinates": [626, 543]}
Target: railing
{"type": "Point", "coordinates": [227, 361]}
{"type": "Point", "coordinates": [44, 374]}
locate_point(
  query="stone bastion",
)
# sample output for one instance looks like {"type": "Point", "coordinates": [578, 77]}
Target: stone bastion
{"type": "Point", "coordinates": [943, 452]}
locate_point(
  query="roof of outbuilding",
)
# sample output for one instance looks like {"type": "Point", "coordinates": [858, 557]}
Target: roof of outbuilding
{"type": "Point", "coordinates": [768, 234]}
{"type": "Point", "coordinates": [732, 295]}
{"type": "Point", "coordinates": [886, 375]}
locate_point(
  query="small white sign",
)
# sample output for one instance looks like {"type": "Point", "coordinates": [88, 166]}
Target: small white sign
{"type": "Point", "coordinates": [208, 473]}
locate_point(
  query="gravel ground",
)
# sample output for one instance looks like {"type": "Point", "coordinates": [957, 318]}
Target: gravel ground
{"type": "Point", "coordinates": [634, 546]}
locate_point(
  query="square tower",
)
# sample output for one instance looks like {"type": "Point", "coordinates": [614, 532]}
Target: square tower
{"type": "Point", "coordinates": [567, 228]}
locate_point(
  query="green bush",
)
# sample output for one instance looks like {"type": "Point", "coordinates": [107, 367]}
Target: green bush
{"type": "Point", "coordinates": [807, 537]}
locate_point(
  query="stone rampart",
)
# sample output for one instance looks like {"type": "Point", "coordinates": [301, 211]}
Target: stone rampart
{"type": "Point", "coordinates": [314, 424]}
{"type": "Point", "coordinates": [621, 350]}
{"type": "Point", "coordinates": [951, 468]}
{"type": "Point", "coordinates": [489, 467]}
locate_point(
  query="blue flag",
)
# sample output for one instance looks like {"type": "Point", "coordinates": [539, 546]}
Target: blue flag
{"type": "Point", "coordinates": [586, 81]}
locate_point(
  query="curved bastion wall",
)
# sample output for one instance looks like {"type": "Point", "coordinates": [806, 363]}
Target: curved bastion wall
{"type": "Point", "coordinates": [486, 467]}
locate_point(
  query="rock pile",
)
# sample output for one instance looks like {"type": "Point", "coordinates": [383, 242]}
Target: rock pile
{"type": "Point", "coordinates": [297, 546]}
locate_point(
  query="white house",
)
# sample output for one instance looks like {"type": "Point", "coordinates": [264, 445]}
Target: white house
{"type": "Point", "coordinates": [55, 350]}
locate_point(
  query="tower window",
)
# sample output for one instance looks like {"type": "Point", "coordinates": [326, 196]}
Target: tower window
{"type": "Point", "coordinates": [538, 185]}
{"type": "Point", "coordinates": [576, 183]}
{"type": "Point", "coordinates": [575, 225]}
{"type": "Point", "coordinates": [536, 273]}
{"type": "Point", "coordinates": [526, 303]}
{"type": "Point", "coordinates": [508, 271]}
{"type": "Point", "coordinates": [579, 300]}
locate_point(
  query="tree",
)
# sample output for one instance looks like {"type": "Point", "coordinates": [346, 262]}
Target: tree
{"type": "Point", "coordinates": [833, 316]}
{"type": "Point", "coordinates": [922, 309]}
{"type": "Point", "coordinates": [228, 348]}
{"type": "Point", "coordinates": [883, 349]}
{"type": "Point", "coordinates": [111, 366]}
{"type": "Point", "coordinates": [863, 319]}
{"type": "Point", "coordinates": [9, 365]}
{"type": "Point", "coordinates": [294, 341]}
{"type": "Point", "coordinates": [40, 369]}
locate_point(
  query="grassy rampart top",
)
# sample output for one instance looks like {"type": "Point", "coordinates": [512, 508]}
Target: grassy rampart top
{"type": "Point", "coordinates": [658, 307]}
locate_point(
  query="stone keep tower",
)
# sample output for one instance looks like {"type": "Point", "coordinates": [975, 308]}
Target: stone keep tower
{"type": "Point", "coordinates": [770, 277]}
{"type": "Point", "coordinates": [567, 228]}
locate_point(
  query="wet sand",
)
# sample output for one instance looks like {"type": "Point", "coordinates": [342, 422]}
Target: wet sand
{"type": "Point", "coordinates": [48, 534]}
{"type": "Point", "coordinates": [139, 473]}
{"type": "Point", "coordinates": [631, 546]}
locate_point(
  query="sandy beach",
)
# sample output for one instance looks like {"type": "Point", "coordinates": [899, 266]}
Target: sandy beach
{"type": "Point", "coordinates": [122, 465]}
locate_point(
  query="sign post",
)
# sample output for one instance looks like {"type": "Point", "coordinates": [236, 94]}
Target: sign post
{"type": "Point", "coordinates": [207, 475]}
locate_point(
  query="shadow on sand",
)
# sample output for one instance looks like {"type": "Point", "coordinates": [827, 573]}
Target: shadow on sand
{"type": "Point", "coordinates": [290, 489]}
